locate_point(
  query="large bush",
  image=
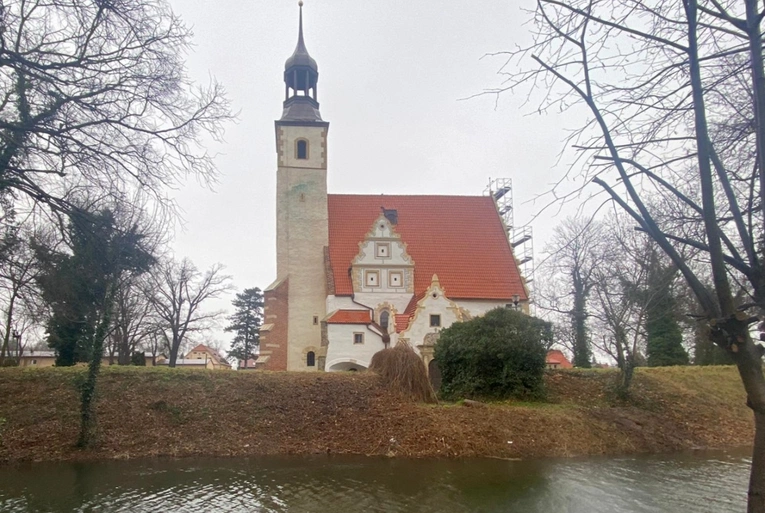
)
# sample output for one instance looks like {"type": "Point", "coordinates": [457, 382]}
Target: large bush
{"type": "Point", "coordinates": [500, 355]}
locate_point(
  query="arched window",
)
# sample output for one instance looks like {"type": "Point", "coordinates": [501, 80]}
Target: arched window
{"type": "Point", "coordinates": [384, 318]}
{"type": "Point", "coordinates": [302, 149]}
{"type": "Point", "coordinates": [310, 359]}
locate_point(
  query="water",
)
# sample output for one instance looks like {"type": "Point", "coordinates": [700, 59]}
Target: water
{"type": "Point", "coordinates": [687, 483]}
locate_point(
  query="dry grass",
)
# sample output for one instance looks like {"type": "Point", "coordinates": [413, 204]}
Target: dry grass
{"type": "Point", "coordinates": [403, 373]}
{"type": "Point", "coordinates": [145, 412]}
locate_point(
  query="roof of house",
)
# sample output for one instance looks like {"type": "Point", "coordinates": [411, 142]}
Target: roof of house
{"type": "Point", "coordinates": [402, 322]}
{"type": "Point", "coordinates": [350, 317]}
{"type": "Point", "coordinates": [460, 238]}
{"type": "Point", "coordinates": [555, 356]}
{"type": "Point", "coordinates": [38, 354]}
{"type": "Point", "coordinates": [201, 348]}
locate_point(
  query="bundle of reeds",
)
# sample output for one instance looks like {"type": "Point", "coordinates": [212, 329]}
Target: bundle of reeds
{"type": "Point", "coordinates": [404, 373]}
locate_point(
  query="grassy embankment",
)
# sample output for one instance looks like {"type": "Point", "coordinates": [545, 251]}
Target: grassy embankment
{"type": "Point", "coordinates": [168, 412]}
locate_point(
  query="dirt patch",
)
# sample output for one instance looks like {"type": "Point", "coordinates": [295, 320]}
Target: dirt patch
{"type": "Point", "coordinates": [177, 412]}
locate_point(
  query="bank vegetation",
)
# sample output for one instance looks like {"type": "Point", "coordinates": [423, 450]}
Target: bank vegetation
{"type": "Point", "coordinates": [153, 412]}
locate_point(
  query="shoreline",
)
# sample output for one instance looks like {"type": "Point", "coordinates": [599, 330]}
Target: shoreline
{"type": "Point", "coordinates": [178, 413]}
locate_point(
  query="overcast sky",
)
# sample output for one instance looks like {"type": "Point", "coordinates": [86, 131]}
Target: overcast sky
{"type": "Point", "coordinates": [392, 74]}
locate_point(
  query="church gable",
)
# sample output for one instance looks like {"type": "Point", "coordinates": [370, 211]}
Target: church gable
{"type": "Point", "coordinates": [433, 312]}
{"type": "Point", "coordinates": [459, 238]}
{"type": "Point", "coordinates": [382, 263]}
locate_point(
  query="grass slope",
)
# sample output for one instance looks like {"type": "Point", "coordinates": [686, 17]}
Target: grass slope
{"type": "Point", "coordinates": [179, 412]}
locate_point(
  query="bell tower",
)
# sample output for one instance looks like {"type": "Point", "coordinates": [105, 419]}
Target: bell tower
{"type": "Point", "coordinates": [301, 217]}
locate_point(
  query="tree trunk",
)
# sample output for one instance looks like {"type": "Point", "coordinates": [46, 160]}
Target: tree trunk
{"type": "Point", "coordinates": [8, 327]}
{"type": "Point", "coordinates": [124, 353]}
{"type": "Point", "coordinates": [757, 477]}
{"type": "Point", "coordinates": [753, 20]}
{"type": "Point", "coordinates": [87, 410]}
{"type": "Point", "coordinates": [579, 314]}
{"type": "Point", "coordinates": [174, 350]}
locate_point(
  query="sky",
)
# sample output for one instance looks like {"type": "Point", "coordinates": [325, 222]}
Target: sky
{"type": "Point", "coordinates": [394, 78]}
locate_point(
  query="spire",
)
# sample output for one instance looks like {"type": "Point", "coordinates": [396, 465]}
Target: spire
{"type": "Point", "coordinates": [300, 56]}
{"type": "Point", "coordinates": [301, 44]}
{"type": "Point", "coordinates": [301, 76]}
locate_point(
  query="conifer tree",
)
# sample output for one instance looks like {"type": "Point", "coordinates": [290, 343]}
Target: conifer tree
{"type": "Point", "coordinates": [245, 323]}
{"type": "Point", "coordinates": [664, 340]}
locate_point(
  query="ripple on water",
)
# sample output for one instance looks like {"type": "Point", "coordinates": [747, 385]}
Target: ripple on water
{"type": "Point", "coordinates": [695, 483]}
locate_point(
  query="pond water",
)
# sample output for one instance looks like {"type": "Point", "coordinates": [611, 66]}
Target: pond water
{"type": "Point", "coordinates": [687, 483]}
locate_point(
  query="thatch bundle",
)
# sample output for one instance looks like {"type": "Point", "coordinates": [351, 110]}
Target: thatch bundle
{"type": "Point", "coordinates": [403, 372]}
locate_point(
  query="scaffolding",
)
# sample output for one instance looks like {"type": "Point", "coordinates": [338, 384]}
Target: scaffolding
{"type": "Point", "coordinates": [521, 238]}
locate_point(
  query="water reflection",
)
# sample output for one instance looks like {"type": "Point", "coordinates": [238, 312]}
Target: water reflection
{"type": "Point", "coordinates": [689, 483]}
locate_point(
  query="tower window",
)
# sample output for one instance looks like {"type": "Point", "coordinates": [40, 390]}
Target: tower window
{"type": "Point", "coordinates": [384, 318]}
{"type": "Point", "coordinates": [310, 359]}
{"type": "Point", "coordinates": [302, 149]}
{"type": "Point", "coordinates": [358, 338]}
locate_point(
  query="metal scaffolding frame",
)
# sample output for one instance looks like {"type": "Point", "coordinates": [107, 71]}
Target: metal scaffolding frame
{"type": "Point", "coordinates": [521, 238]}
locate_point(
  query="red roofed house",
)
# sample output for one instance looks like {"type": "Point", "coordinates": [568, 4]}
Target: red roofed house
{"type": "Point", "coordinates": [557, 360]}
{"type": "Point", "coordinates": [358, 272]}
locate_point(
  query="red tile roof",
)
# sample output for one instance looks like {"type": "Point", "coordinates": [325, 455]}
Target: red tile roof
{"type": "Point", "coordinates": [350, 317]}
{"type": "Point", "coordinates": [201, 348]}
{"type": "Point", "coordinates": [402, 322]}
{"type": "Point", "coordinates": [557, 357]}
{"type": "Point", "coordinates": [460, 238]}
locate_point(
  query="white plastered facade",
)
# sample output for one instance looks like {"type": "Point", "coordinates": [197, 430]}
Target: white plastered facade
{"type": "Point", "coordinates": [344, 353]}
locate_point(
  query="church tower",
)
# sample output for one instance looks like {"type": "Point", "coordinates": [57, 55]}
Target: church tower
{"type": "Point", "coordinates": [296, 302]}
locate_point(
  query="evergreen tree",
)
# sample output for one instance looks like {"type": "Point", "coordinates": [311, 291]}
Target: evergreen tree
{"type": "Point", "coordinates": [664, 341]}
{"type": "Point", "coordinates": [245, 324]}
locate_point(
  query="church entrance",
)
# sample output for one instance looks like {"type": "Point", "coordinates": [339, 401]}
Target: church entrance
{"type": "Point", "coordinates": [434, 373]}
{"type": "Point", "coordinates": [346, 366]}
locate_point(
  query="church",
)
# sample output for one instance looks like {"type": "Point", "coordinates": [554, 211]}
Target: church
{"type": "Point", "coordinates": [359, 273]}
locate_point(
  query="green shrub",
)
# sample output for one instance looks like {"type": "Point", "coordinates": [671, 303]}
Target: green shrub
{"type": "Point", "coordinates": [499, 355]}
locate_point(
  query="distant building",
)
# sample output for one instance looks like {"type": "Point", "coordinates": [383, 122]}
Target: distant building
{"type": "Point", "coordinates": [47, 358]}
{"type": "Point", "coordinates": [34, 358]}
{"type": "Point", "coordinates": [253, 363]}
{"type": "Point", "coordinates": [358, 273]}
{"type": "Point", "coordinates": [201, 356]}
{"type": "Point", "coordinates": [557, 360]}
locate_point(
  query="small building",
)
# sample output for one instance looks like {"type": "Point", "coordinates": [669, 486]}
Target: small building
{"type": "Point", "coordinates": [253, 363]}
{"type": "Point", "coordinates": [557, 360]}
{"type": "Point", "coordinates": [46, 358]}
{"type": "Point", "coordinates": [194, 363]}
{"type": "Point", "coordinates": [211, 357]}
{"type": "Point", "coordinates": [34, 358]}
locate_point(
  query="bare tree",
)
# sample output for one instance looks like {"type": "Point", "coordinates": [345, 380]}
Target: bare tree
{"type": "Point", "coordinates": [134, 321]}
{"type": "Point", "coordinates": [619, 313]}
{"type": "Point", "coordinates": [20, 302]}
{"type": "Point", "coordinates": [155, 343]}
{"type": "Point", "coordinates": [675, 94]}
{"type": "Point", "coordinates": [177, 292]}
{"type": "Point", "coordinates": [573, 257]}
{"type": "Point", "coordinates": [95, 95]}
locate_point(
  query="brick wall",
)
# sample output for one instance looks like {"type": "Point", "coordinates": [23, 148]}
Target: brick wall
{"type": "Point", "coordinates": [274, 341]}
